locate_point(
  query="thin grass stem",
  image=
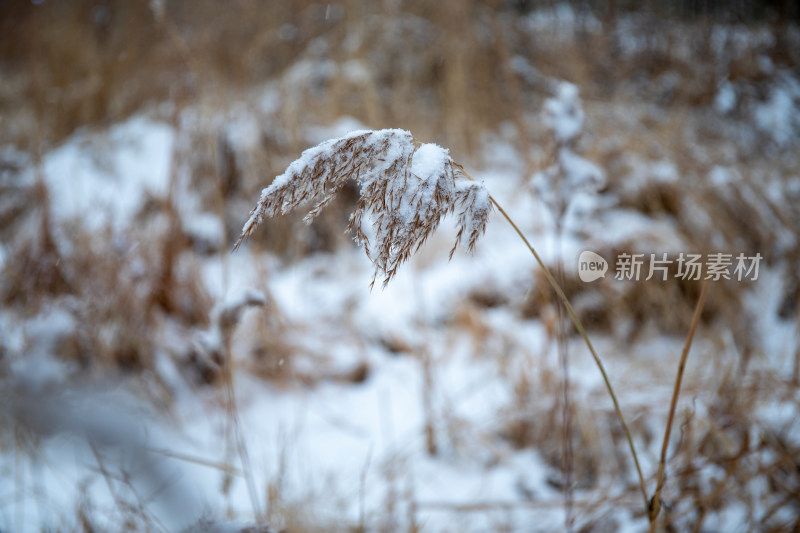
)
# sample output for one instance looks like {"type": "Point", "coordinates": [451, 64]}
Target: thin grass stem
{"type": "Point", "coordinates": [582, 331]}
{"type": "Point", "coordinates": [655, 504]}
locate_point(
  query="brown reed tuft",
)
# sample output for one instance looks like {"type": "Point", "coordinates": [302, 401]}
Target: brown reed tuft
{"type": "Point", "coordinates": [406, 187]}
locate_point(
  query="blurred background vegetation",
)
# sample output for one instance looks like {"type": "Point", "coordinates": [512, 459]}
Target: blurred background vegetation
{"type": "Point", "coordinates": [712, 88]}
{"type": "Point", "coordinates": [450, 69]}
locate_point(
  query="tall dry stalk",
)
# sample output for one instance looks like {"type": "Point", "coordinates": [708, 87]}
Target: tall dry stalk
{"type": "Point", "coordinates": [582, 331]}
{"type": "Point", "coordinates": [406, 188]}
{"type": "Point", "coordinates": [655, 502]}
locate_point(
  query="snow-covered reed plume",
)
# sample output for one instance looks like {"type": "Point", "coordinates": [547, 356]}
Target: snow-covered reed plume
{"type": "Point", "coordinates": [406, 188]}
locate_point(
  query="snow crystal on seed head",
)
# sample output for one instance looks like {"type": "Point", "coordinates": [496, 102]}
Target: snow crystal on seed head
{"type": "Point", "coordinates": [405, 188]}
{"type": "Point", "coordinates": [429, 161]}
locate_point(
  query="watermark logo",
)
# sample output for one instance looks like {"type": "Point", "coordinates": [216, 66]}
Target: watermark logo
{"type": "Point", "coordinates": [687, 266]}
{"type": "Point", "coordinates": [591, 266]}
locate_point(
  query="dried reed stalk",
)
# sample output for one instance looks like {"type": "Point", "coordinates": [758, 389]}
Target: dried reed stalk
{"type": "Point", "coordinates": [585, 336]}
{"type": "Point", "coordinates": [654, 506]}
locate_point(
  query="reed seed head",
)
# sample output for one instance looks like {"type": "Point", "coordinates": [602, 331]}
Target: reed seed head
{"type": "Point", "coordinates": [406, 187]}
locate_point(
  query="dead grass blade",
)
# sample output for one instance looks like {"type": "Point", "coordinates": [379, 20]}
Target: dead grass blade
{"type": "Point", "coordinates": [654, 505]}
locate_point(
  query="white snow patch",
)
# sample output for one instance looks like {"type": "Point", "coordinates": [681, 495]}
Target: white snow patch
{"type": "Point", "coordinates": [778, 116]}
{"type": "Point", "coordinates": [725, 99]}
{"type": "Point", "coordinates": [563, 114]}
{"type": "Point", "coordinates": [104, 180]}
{"type": "Point", "coordinates": [429, 161]}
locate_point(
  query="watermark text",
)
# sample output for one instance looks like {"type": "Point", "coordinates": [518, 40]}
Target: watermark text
{"type": "Point", "coordinates": [661, 266]}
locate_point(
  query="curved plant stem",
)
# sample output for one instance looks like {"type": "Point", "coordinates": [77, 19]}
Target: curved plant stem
{"type": "Point", "coordinates": [655, 504]}
{"type": "Point", "coordinates": [582, 331]}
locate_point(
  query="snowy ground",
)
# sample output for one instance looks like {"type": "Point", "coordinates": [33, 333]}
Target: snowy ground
{"type": "Point", "coordinates": [433, 404]}
{"type": "Point", "coordinates": [352, 453]}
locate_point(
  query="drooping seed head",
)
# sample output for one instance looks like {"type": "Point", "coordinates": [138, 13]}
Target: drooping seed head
{"type": "Point", "coordinates": [405, 189]}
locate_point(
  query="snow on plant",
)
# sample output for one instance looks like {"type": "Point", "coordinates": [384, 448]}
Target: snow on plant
{"type": "Point", "coordinates": [569, 172]}
{"type": "Point", "coordinates": [405, 189]}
